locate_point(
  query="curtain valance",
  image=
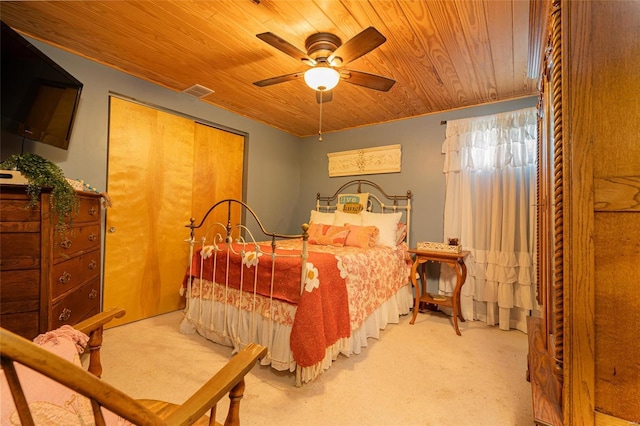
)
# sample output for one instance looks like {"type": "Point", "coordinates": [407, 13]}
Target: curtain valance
{"type": "Point", "coordinates": [491, 142]}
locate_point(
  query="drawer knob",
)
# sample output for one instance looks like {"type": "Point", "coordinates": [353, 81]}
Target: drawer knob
{"type": "Point", "coordinates": [92, 237]}
{"type": "Point", "coordinates": [93, 294]}
{"type": "Point", "coordinates": [64, 278]}
{"type": "Point", "coordinates": [92, 211]}
{"type": "Point", "coordinates": [65, 244]}
{"type": "Point", "coordinates": [65, 314]}
{"type": "Point", "coordinates": [92, 264]}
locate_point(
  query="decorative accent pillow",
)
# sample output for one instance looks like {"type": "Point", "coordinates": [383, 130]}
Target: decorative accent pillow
{"type": "Point", "coordinates": [401, 232]}
{"type": "Point", "coordinates": [343, 218]}
{"type": "Point", "coordinates": [330, 236]}
{"type": "Point", "coordinates": [387, 223]}
{"type": "Point", "coordinates": [362, 236]}
{"type": "Point", "coordinates": [352, 203]}
{"type": "Point", "coordinates": [325, 218]}
{"type": "Point", "coordinates": [317, 230]}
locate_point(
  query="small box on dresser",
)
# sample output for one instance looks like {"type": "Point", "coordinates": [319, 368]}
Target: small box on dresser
{"type": "Point", "coordinates": [48, 278]}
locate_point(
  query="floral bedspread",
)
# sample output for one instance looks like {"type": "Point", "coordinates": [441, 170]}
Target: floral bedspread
{"type": "Point", "coordinates": [372, 275]}
{"type": "Point", "coordinates": [342, 287]}
{"type": "Point", "coordinates": [322, 314]}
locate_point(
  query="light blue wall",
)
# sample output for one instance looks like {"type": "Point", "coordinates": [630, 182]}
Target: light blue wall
{"type": "Point", "coordinates": [421, 139]}
{"type": "Point", "coordinates": [283, 172]}
{"type": "Point", "coordinates": [272, 172]}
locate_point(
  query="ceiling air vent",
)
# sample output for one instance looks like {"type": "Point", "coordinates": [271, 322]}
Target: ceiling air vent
{"type": "Point", "coordinates": [198, 91]}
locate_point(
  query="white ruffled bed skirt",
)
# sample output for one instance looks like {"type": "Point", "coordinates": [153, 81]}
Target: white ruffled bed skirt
{"type": "Point", "coordinates": [227, 327]}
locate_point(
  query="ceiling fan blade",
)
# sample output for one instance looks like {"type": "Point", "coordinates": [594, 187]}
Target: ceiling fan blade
{"type": "Point", "coordinates": [286, 47]}
{"type": "Point", "coordinates": [279, 79]}
{"type": "Point", "coordinates": [359, 45]}
{"type": "Point", "coordinates": [371, 81]}
{"type": "Point", "coordinates": [324, 96]}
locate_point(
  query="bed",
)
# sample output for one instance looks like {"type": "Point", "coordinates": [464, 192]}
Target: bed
{"type": "Point", "coordinates": [309, 297]}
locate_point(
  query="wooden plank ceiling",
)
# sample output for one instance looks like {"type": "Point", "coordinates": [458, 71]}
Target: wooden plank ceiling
{"type": "Point", "coordinates": [443, 54]}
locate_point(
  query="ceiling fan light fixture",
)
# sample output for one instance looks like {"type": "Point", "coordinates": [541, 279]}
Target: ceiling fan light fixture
{"type": "Point", "coordinates": [321, 78]}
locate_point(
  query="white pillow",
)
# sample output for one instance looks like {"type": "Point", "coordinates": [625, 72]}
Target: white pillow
{"type": "Point", "coordinates": [387, 223]}
{"type": "Point", "coordinates": [342, 218]}
{"type": "Point", "coordinates": [321, 218]}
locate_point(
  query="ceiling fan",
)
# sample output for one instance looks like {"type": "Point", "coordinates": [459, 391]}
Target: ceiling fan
{"type": "Point", "coordinates": [326, 55]}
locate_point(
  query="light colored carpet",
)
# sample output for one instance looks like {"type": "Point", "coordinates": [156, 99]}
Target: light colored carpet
{"type": "Point", "coordinates": [420, 374]}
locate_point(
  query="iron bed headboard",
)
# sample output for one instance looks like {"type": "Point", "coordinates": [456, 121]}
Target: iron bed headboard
{"type": "Point", "coordinates": [379, 198]}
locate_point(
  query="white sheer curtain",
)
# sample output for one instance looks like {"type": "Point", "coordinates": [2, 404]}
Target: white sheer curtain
{"type": "Point", "coordinates": [490, 172]}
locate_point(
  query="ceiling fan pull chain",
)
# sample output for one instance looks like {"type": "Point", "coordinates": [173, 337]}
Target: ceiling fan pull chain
{"type": "Point", "coordinates": [320, 125]}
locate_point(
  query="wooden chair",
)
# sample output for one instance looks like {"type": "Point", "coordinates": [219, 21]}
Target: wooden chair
{"type": "Point", "coordinates": [229, 380]}
{"type": "Point", "coordinates": [93, 327]}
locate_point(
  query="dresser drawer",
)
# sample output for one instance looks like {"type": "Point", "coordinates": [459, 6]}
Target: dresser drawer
{"type": "Point", "coordinates": [76, 240]}
{"type": "Point", "coordinates": [19, 250]}
{"type": "Point", "coordinates": [88, 210]}
{"type": "Point", "coordinates": [76, 306]}
{"type": "Point", "coordinates": [71, 273]}
{"type": "Point", "coordinates": [14, 209]}
{"type": "Point", "coordinates": [23, 323]}
{"type": "Point", "coordinates": [20, 287]}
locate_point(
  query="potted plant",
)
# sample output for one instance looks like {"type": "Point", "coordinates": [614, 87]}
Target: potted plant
{"type": "Point", "coordinates": [40, 173]}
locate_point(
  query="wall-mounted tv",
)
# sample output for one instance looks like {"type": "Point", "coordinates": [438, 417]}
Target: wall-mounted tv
{"type": "Point", "coordinates": [39, 98]}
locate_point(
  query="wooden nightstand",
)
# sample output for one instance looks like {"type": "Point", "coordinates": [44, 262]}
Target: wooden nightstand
{"type": "Point", "coordinates": [455, 261]}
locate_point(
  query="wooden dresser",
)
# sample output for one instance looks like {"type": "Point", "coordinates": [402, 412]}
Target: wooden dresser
{"type": "Point", "coordinates": [48, 278]}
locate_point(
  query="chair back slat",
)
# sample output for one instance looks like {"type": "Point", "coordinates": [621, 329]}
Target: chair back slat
{"type": "Point", "coordinates": [98, 417]}
{"type": "Point", "coordinates": [17, 393]}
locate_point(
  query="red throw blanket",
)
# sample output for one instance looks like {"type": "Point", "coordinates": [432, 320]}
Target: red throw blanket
{"type": "Point", "coordinates": [322, 314]}
{"type": "Point", "coordinates": [242, 270]}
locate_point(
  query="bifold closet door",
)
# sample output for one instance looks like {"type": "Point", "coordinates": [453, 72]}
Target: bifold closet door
{"type": "Point", "coordinates": [217, 173]}
{"type": "Point", "coordinates": [163, 169]}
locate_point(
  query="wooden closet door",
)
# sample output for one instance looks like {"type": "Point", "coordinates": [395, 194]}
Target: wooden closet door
{"type": "Point", "coordinates": [217, 172]}
{"type": "Point", "coordinates": [162, 170]}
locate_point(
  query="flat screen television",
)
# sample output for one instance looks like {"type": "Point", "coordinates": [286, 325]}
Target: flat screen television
{"type": "Point", "coordinates": [39, 98]}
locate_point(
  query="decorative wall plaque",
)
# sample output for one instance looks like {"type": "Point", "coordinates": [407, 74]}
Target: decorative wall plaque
{"type": "Point", "coordinates": [366, 161]}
